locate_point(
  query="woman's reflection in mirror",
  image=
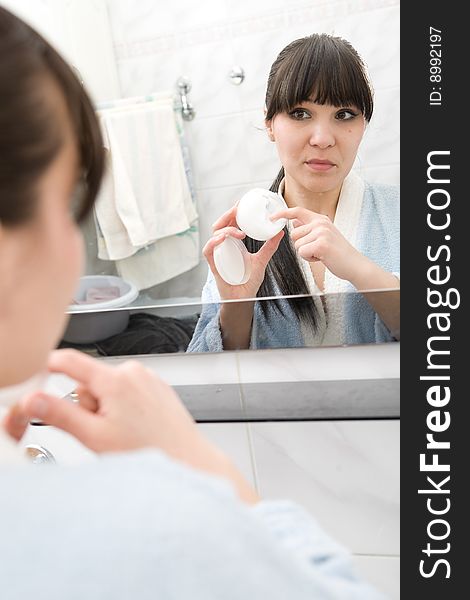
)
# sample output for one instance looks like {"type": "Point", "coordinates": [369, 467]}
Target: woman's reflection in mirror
{"type": "Point", "coordinates": [343, 232]}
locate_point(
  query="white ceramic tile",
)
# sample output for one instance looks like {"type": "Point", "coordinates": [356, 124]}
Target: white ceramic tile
{"type": "Point", "coordinates": [376, 36]}
{"type": "Point", "coordinates": [203, 14]}
{"type": "Point", "coordinates": [383, 572]}
{"type": "Point", "coordinates": [232, 438]}
{"type": "Point", "coordinates": [244, 9]}
{"type": "Point", "coordinates": [298, 26]}
{"type": "Point", "coordinates": [213, 203]}
{"type": "Point", "coordinates": [373, 361]}
{"type": "Point", "coordinates": [207, 66]}
{"type": "Point", "coordinates": [262, 154]}
{"type": "Point", "coordinates": [150, 74]}
{"type": "Point", "coordinates": [256, 53]}
{"type": "Point", "coordinates": [218, 150]}
{"type": "Point", "coordinates": [381, 142]}
{"type": "Point", "coordinates": [136, 21]}
{"type": "Point", "coordinates": [190, 369]}
{"type": "Point", "coordinates": [346, 473]}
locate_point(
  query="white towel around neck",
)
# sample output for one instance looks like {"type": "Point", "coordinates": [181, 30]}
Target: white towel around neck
{"type": "Point", "coordinates": [330, 302]}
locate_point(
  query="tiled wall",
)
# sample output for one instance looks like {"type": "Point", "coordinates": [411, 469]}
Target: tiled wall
{"type": "Point", "coordinates": [156, 42]}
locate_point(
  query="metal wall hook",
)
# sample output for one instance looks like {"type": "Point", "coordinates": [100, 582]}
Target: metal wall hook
{"type": "Point", "coordinates": [184, 87]}
{"type": "Point", "coordinates": [236, 75]}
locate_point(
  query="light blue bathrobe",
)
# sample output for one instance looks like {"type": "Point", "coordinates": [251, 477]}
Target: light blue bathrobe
{"type": "Point", "coordinates": [142, 526]}
{"type": "Point", "coordinates": [378, 238]}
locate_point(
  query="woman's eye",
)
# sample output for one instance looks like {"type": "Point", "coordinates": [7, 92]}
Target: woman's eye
{"type": "Point", "coordinates": [346, 115]}
{"type": "Point", "coordinates": [299, 114]}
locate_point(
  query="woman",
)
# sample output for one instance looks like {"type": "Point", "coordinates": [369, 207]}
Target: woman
{"type": "Point", "coordinates": [174, 521]}
{"type": "Point", "coordinates": [342, 233]}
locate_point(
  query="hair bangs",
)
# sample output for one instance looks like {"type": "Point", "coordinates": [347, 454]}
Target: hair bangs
{"type": "Point", "coordinates": [320, 69]}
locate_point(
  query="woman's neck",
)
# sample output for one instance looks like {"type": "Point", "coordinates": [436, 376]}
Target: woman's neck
{"type": "Point", "coordinates": [324, 203]}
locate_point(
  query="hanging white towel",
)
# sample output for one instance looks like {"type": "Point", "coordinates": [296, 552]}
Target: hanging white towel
{"type": "Point", "coordinates": [162, 260]}
{"type": "Point", "coordinates": [145, 195]}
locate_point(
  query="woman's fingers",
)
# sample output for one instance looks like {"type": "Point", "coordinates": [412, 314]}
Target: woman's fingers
{"type": "Point", "coordinates": [77, 365]}
{"type": "Point", "coordinates": [301, 214]}
{"type": "Point", "coordinates": [267, 250]}
{"type": "Point", "coordinates": [300, 231]}
{"type": "Point", "coordinates": [232, 231]}
{"type": "Point", "coordinates": [227, 219]}
{"type": "Point", "coordinates": [63, 414]}
{"type": "Point", "coordinates": [85, 399]}
{"type": "Point", "coordinates": [219, 237]}
{"type": "Point", "coordinates": [16, 422]}
{"type": "Point", "coordinates": [310, 236]}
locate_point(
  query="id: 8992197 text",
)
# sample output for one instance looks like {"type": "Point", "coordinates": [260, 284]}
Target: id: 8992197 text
{"type": "Point", "coordinates": [435, 68]}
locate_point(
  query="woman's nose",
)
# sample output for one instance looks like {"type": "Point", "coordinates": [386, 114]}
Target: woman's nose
{"type": "Point", "coordinates": [321, 135]}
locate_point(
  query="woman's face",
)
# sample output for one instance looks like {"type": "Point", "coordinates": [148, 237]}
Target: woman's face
{"type": "Point", "coordinates": [317, 144]}
{"type": "Point", "coordinates": [40, 263]}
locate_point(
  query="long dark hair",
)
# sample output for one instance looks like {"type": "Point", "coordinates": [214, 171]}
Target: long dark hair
{"type": "Point", "coordinates": [30, 136]}
{"type": "Point", "coordinates": [325, 70]}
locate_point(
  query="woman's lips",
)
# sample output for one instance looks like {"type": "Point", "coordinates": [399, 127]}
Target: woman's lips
{"type": "Point", "coordinates": [320, 165]}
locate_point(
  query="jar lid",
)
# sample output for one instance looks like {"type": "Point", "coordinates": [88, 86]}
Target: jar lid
{"type": "Point", "coordinates": [232, 261]}
{"type": "Point", "coordinates": [254, 210]}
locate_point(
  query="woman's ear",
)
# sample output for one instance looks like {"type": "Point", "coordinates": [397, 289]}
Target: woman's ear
{"type": "Point", "coordinates": [269, 129]}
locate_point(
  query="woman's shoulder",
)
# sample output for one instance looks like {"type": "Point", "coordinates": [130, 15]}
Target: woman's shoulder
{"type": "Point", "coordinates": [382, 201]}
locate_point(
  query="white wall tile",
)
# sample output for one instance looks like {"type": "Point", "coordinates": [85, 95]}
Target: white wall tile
{"type": "Point", "coordinates": [383, 572]}
{"type": "Point", "coordinates": [219, 150]}
{"type": "Point", "coordinates": [190, 369]}
{"type": "Point", "coordinates": [381, 142]}
{"type": "Point", "coordinates": [374, 34]}
{"type": "Point", "coordinates": [232, 438]}
{"type": "Point", "coordinates": [255, 53]}
{"type": "Point", "coordinates": [150, 74]}
{"type": "Point", "coordinates": [379, 361]}
{"type": "Point", "coordinates": [244, 9]}
{"type": "Point", "coordinates": [346, 473]}
{"type": "Point", "coordinates": [191, 15]}
{"type": "Point", "coordinates": [262, 155]}
{"type": "Point", "coordinates": [215, 202]}
{"type": "Point", "coordinates": [136, 21]}
{"type": "Point", "coordinates": [207, 66]}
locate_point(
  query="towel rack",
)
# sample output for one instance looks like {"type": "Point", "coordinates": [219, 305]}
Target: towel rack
{"type": "Point", "coordinates": [183, 86]}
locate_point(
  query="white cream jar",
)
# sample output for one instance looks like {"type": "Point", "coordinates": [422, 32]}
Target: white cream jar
{"type": "Point", "coordinates": [254, 209]}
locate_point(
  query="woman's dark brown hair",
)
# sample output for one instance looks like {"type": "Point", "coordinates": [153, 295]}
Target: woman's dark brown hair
{"type": "Point", "coordinates": [30, 133]}
{"type": "Point", "coordinates": [325, 70]}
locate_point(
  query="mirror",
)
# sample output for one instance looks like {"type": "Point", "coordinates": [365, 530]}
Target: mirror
{"type": "Point", "coordinates": [125, 50]}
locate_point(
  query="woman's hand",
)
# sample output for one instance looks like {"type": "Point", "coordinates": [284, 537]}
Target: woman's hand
{"type": "Point", "coordinates": [317, 239]}
{"type": "Point", "coordinates": [226, 226]}
{"type": "Point", "coordinates": [124, 408]}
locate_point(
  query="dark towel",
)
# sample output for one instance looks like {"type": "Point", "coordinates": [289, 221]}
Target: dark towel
{"type": "Point", "coordinates": [145, 334]}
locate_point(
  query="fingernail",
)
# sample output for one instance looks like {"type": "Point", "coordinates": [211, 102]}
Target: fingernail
{"type": "Point", "coordinates": [39, 406]}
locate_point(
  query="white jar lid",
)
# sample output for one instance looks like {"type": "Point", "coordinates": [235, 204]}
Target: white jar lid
{"type": "Point", "coordinates": [254, 210]}
{"type": "Point", "coordinates": [232, 261]}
